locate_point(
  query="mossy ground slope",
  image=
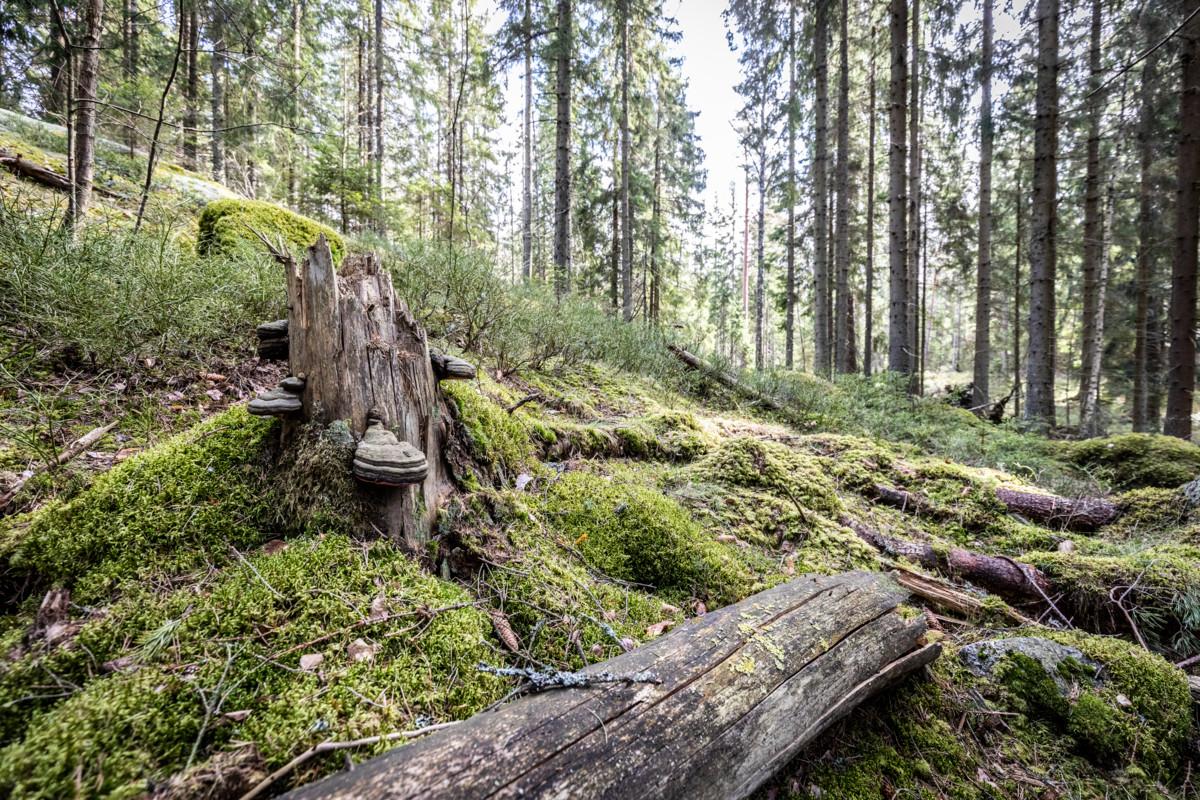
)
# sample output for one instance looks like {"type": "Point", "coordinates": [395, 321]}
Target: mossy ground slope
{"type": "Point", "coordinates": [229, 609]}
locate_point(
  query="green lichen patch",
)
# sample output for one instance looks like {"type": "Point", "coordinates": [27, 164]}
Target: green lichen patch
{"type": "Point", "coordinates": [227, 227]}
{"type": "Point", "coordinates": [1137, 460]}
{"type": "Point", "coordinates": [797, 477]}
{"type": "Point", "coordinates": [173, 508]}
{"type": "Point", "coordinates": [395, 646]}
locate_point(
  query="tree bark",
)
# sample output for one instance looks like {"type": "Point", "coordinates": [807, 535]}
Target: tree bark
{"type": "Point", "coordinates": [983, 278]}
{"type": "Point", "coordinates": [130, 61]}
{"type": "Point", "coordinates": [1181, 367]}
{"type": "Point", "coordinates": [789, 324]}
{"type": "Point", "coordinates": [724, 701]}
{"type": "Point", "coordinates": [869, 292]}
{"type": "Point", "coordinates": [1039, 400]}
{"type": "Point", "coordinates": [527, 149]}
{"type": "Point", "coordinates": [217, 67]}
{"type": "Point", "coordinates": [656, 217]}
{"type": "Point", "coordinates": [83, 122]}
{"type": "Point", "coordinates": [913, 251]}
{"type": "Point", "coordinates": [377, 120]}
{"type": "Point", "coordinates": [761, 237]}
{"type": "Point", "coordinates": [844, 311]}
{"type": "Point", "coordinates": [898, 341]}
{"type": "Point", "coordinates": [191, 113]}
{"type": "Point", "coordinates": [822, 309]}
{"type": "Point", "coordinates": [1016, 324]}
{"type": "Point", "coordinates": [1144, 280]}
{"type": "Point", "coordinates": [1081, 514]}
{"type": "Point", "coordinates": [626, 199]}
{"type": "Point", "coordinates": [1093, 245]}
{"type": "Point", "coordinates": [360, 351]}
{"type": "Point", "coordinates": [562, 151]}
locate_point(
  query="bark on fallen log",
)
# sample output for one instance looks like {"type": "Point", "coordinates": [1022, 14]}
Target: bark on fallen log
{"type": "Point", "coordinates": [728, 380]}
{"type": "Point", "coordinates": [32, 171]}
{"type": "Point", "coordinates": [742, 690]}
{"type": "Point", "coordinates": [1083, 514]}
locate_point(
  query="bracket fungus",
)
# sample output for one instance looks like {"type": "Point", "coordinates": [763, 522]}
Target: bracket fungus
{"type": "Point", "coordinates": [449, 368]}
{"type": "Point", "coordinates": [273, 340]}
{"type": "Point", "coordinates": [282, 401]}
{"type": "Point", "coordinates": [383, 459]}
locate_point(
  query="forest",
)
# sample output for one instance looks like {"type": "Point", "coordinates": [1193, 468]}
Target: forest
{"type": "Point", "coordinates": [599, 398]}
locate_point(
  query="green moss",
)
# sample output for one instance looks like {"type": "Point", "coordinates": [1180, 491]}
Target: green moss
{"type": "Point", "coordinates": [225, 227]}
{"type": "Point", "coordinates": [1151, 510]}
{"type": "Point", "coordinates": [1135, 460]}
{"type": "Point", "coordinates": [240, 637]}
{"type": "Point", "coordinates": [499, 442]}
{"type": "Point", "coordinates": [172, 508]}
{"type": "Point", "coordinates": [797, 477]}
{"type": "Point", "coordinates": [856, 463]}
{"type": "Point", "coordinates": [634, 533]}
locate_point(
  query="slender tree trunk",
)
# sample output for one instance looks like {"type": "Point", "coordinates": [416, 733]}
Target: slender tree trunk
{"type": "Point", "coordinates": [378, 117]}
{"type": "Point", "coordinates": [822, 311]}
{"type": "Point", "coordinates": [656, 218]}
{"type": "Point", "coordinates": [1093, 245]}
{"type": "Point", "coordinates": [1016, 314]}
{"type": "Point", "coordinates": [614, 265]}
{"type": "Point", "coordinates": [898, 342]}
{"type": "Point", "coordinates": [152, 156]}
{"type": "Point", "coordinates": [626, 199]}
{"type": "Point", "coordinates": [1039, 405]}
{"type": "Point", "coordinates": [914, 205]}
{"type": "Point", "coordinates": [746, 240]}
{"type": "Point", "coordinates": [983, 278]}
{"type": "Point", "coordinates": [294, 102]}
{"type": "Point", "coordinates": [216, 33]}
{"type": "Point", "coordinates": [843, 313]}
{"type": "Point", "coordinates": [562, 152]}
{"type": "Point", "coordinates": [1181, 366]}
{"type": "Point", "coordinates": [84, 119]}
{"type": "Point", "coordinates": [251, 132]}
{"type": "Point", "coordinates": [191, 114]}
{"type": "Point", "coordinates": [130, 59]}
{"type": "Point", "coordinates": [869, 292]}
{"type": "Point", "coordinates": [1145, 262]}
{"type": "Point", "coordinates": [527, 146]}
{"type": "Point", "coordinates": [759, 284]}
{"type": "Point", "coordinates": [790, 289]}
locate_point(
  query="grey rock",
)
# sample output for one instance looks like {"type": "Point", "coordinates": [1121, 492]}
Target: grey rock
{"type": "Point", "coordinates": [981, 658]}
{"type": "Point", "coordinates": [383, 459]}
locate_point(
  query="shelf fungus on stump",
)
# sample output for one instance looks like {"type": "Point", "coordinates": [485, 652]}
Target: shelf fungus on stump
{"type": "Point", "coordinates": [273, 340]}
{"type": "Point", "coordinates": [449, 368]}
{"type": "Point", "coordinates": [282, 401]}
{"type": "Point", "coordinates": [381, 458]}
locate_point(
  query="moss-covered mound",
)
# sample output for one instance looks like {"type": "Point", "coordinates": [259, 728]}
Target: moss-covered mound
{"type": "Point", "coordinates": [1134, 460]}
{"type": "Point", "coordinates": [227, 226]}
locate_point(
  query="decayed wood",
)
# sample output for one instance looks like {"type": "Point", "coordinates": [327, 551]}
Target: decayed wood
{"type": "Point", "coordinates": [1082, 514]}
{"type": "Point", "coordinates": [742, 690]}
{"type": "Point", "coordinates": [361, 351]}
{"type": "Point", "coordinates": [726, 379]}
{"type": "Point", "coordinates": [30, 170]}
{"type": "Point", "coordinates": [942, 595]}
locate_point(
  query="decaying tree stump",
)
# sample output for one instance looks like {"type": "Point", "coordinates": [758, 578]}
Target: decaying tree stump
{"type": "Point", "coordinates": [740, 691]}
{"type": "Point", "coordinates": [361, 353]}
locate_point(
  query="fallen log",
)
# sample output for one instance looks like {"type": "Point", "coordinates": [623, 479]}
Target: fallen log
{"type": "Point", "coordinates": [1082, 514]}
{"type": "Point", "coordinates": [739, 691]}
{"type": "Point", "coordinates": [69, 453]}
{"type": "Point", "coordinates": [726, 379]}
{"type": "Point", "coordinates": [32, 171]}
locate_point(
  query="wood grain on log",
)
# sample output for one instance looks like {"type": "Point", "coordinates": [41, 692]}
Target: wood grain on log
{"type": "Point", "coordinates": [362, 351]}
{"type": "Point", "coordinates": [742, 690]}
{"type": "Point", "coordinates": [1082, 514]}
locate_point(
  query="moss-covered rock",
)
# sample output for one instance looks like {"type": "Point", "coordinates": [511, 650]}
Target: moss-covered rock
{"type": "Point", "coordinates": [1135, 460]}
{"type": "Point", "coordinates": [225, 227]}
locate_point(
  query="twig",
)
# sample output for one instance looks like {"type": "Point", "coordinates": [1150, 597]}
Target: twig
{"type": "Point", "coordinates": [277, 249]}
{"type": "Point", "coordinates": [331, 746]}
{"type": "Point", "coordinates": [257, 574]}
{"type": "Point", "coordinates": [68, 453]}
{"type": "Point", "coordinates": [541, 680]}
{"type": "Point", "coordinates": [529, 398]}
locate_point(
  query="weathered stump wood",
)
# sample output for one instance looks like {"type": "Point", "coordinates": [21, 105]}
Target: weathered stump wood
{"type": "Point", "coordinates": [361, 351]}
{"type": "Point", "coordinates": [742, 690]}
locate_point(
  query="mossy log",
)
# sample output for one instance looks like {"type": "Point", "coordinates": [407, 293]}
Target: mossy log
{"type": "Point", "coordinates": [1081, 514]}
{"type": "Point", "coordinates": [32, 171]}
{"type": "Point", "coordinates": [362, 352]}
{"type": "Point", "coordinates": [740, 691]}
{"type": "Point", "coordinates": [726, 379]}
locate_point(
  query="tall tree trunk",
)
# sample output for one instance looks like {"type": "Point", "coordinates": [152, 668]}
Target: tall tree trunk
{"type": "Point", "coordinates": [760, 281]}
{"type": "Point", "coordinates": [1181, 366]}
{"type": "Point", "coordinates": [191, 114]}
{"type": "Point", "coordinates": [983, 277]}
{"type": "Point", "coordinates": [626, 199]}
{"type": "Point", "coordinates": [130, 59]}
{"type": "Point", "coordinates": [869, 292]}
{"type": "Point", "coordinates": [1145, 262]}
{"type": "Point", "coordinates": [1093, 246]}
{"type": "Point", "coordinates": [251, 132]}
{"type": "Point", "coordinates": [527, 149]}
{"type": "Point", "coordinates": [822, 311]}
{"type": "Point", "coordinates": [1016, 313]}
{"type": "Point", "coordinates": [655, 282]}
{"type": "Point", "coordinates": [562, 151]}
{"type": "Point", "coordinates": [914, 205]}
{"type": "Point", "coordinates": [898, 342]}
{"type": "Point", "coordinates": [377, 118]}
{"type": "Point", "coordinates": [614, 261]}
{"type": "Point", "coordinates": [843, 313]}
{"type": "Point", "coordinates": [746, 240]}
{"type": "Point", "coordinates": [1039, 402]}
{"type": "Point", "coordinates": [216, 33]}
{"type": "Point", "coordinates": [83, 123]}
{"type": "Point", "coordinates": [294, 102]}
{"type": "Point", "coordinates": [790, 288]}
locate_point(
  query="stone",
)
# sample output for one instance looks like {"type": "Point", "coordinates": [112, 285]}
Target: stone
{"type": "Point", "coordinates": [382, 459]}
{"type": "Point", "coordinates": [982, 657]}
